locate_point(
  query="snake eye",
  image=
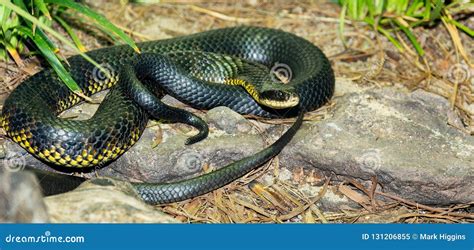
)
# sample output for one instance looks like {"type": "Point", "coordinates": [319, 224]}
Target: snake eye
{"type": "Point", "coordinates": [275, 95]}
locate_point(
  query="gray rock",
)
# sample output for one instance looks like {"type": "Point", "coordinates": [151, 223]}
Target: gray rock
{"type": "Point", "coordinates": [401, 138]}
{"type": "Point", "coordinates": [103, 200]}
{"type": "Point", "coordinates": [20, 198]}
{"type": "Point", "coordinates": [172, 160]}
{"type": "Point", "coordinates": [226, 119]}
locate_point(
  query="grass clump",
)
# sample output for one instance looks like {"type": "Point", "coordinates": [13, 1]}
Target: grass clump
{"type": "Point", "coordinates": [27, 26]}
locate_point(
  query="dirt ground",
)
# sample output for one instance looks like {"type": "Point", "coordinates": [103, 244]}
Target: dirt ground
{"type": "Point", "coordinates": [367, 58]}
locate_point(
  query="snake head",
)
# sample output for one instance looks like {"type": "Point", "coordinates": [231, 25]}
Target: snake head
{"type": "Point", "coordinates": [279, 99]}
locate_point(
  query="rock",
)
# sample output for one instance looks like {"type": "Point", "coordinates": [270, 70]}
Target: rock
{"type": "Point", "coordinates": [402, 138]}
{"type": "Point", "coordinates": [20, 198]}
{"type": "Point", "coordinates": [103, 200]}
{"type": "Point", "coordinates": [172, 160]}
{"type": "Point", "coordinates": [226, 119]}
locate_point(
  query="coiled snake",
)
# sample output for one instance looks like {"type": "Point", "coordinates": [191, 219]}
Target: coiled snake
{"type": "Point", "coordinates": [223, 67]}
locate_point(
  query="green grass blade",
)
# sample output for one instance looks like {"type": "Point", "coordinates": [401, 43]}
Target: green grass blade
{"type": "Point", "coordinates": [352, 9]}
{"type": "Point", "coordinates": [85, 22]}
{"type": "Point", "coordinates": [371, 8]}
{"type": "Point", "coordinates": [101, 20]}
{"type": "Point", "coordinates": [3, 54]}
{"type": "Point", "coordinates": [42, 8]}
{"type": "Point", "coordinates": [391, 6]}
{"type": "Point", "coordinates": [60, 37]}
{"type": "Point", "coordinates": [51, 44]}
{"type": "Point", "coordinates": [362, 9]}
{"type": "Point", "coordinates": [63, 39]}
{"type": "Point", "coordinates": [436, 12]}
{"type": "Point", "coordinates": [380, 6]}
{"type": "Point", "coordinates": [463, 27]}
{"type": "Point", "coordinates": [414, 6]}
{"type": "Point", "coordinates": [4, 15]}
{"type": "Point", "coordinates": [71, 33]}
{"type": "Point", "coordinates": [386, 33]}
{"type": "Point", "coordinates": [402, 6]}
{"type": "Point", "coordinates": [57, 65]}
{"type": "Point", "coordinates": [427, 12]}
{"type": "Point", "coordinates": [52, 59]}
{"type": "Point", "coordinates": [412, 38]}
{"type": "Point", "coordinates": [341, 23]}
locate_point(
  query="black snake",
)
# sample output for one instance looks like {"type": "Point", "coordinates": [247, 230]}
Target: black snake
{"type": "Point", "coordinates": [224, 67]}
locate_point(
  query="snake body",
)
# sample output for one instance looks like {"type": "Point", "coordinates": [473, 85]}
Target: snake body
{"type": "Point", "coordinates": [30, 113]}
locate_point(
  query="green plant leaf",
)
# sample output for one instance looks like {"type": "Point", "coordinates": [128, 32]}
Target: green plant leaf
{"type": "Point", "coordinates": [34, 20]}
{"type": "Point", "coordinates": [42, 8]}
{"type": "Point", "coordinates": [3, 54]}
{"type": "Point", "coordinates": [436, 12]}
{"type": "Point", "coordinates": [342, 16]}
{"type": "Point", "coordinates": [34, 28]}
{"type": "Point", "coordinates": [101, 20]}
{"type": "Point", "coordinates": [52, 59]}
{"type": "Point", "coordinates": [71, 33]}
{"type": "Point", "coordinates": [371, 8]}
{"type": "Point", "coordinates": [71, 84]}
{"type": "Point", "coordinates": [462, 27]}
{"type": "Point", "coordinates": [4, 17]}
{"type": "Point", "coordinates": [414, 7]}
{"type": "Point", "coordinates": [50, 43]}
{"type": "Point", "coordinates": [412, 38]}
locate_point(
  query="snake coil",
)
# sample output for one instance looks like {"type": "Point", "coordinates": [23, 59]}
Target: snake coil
{"type": "Point", "coordinates": [30, 113]}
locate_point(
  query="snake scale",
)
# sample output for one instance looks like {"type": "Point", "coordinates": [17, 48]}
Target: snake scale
{"type": "Point", "coordinates": [188, 68]}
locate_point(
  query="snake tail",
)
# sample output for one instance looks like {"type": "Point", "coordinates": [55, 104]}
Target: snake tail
{"type": "Point", "coordinates": [186, 189]}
